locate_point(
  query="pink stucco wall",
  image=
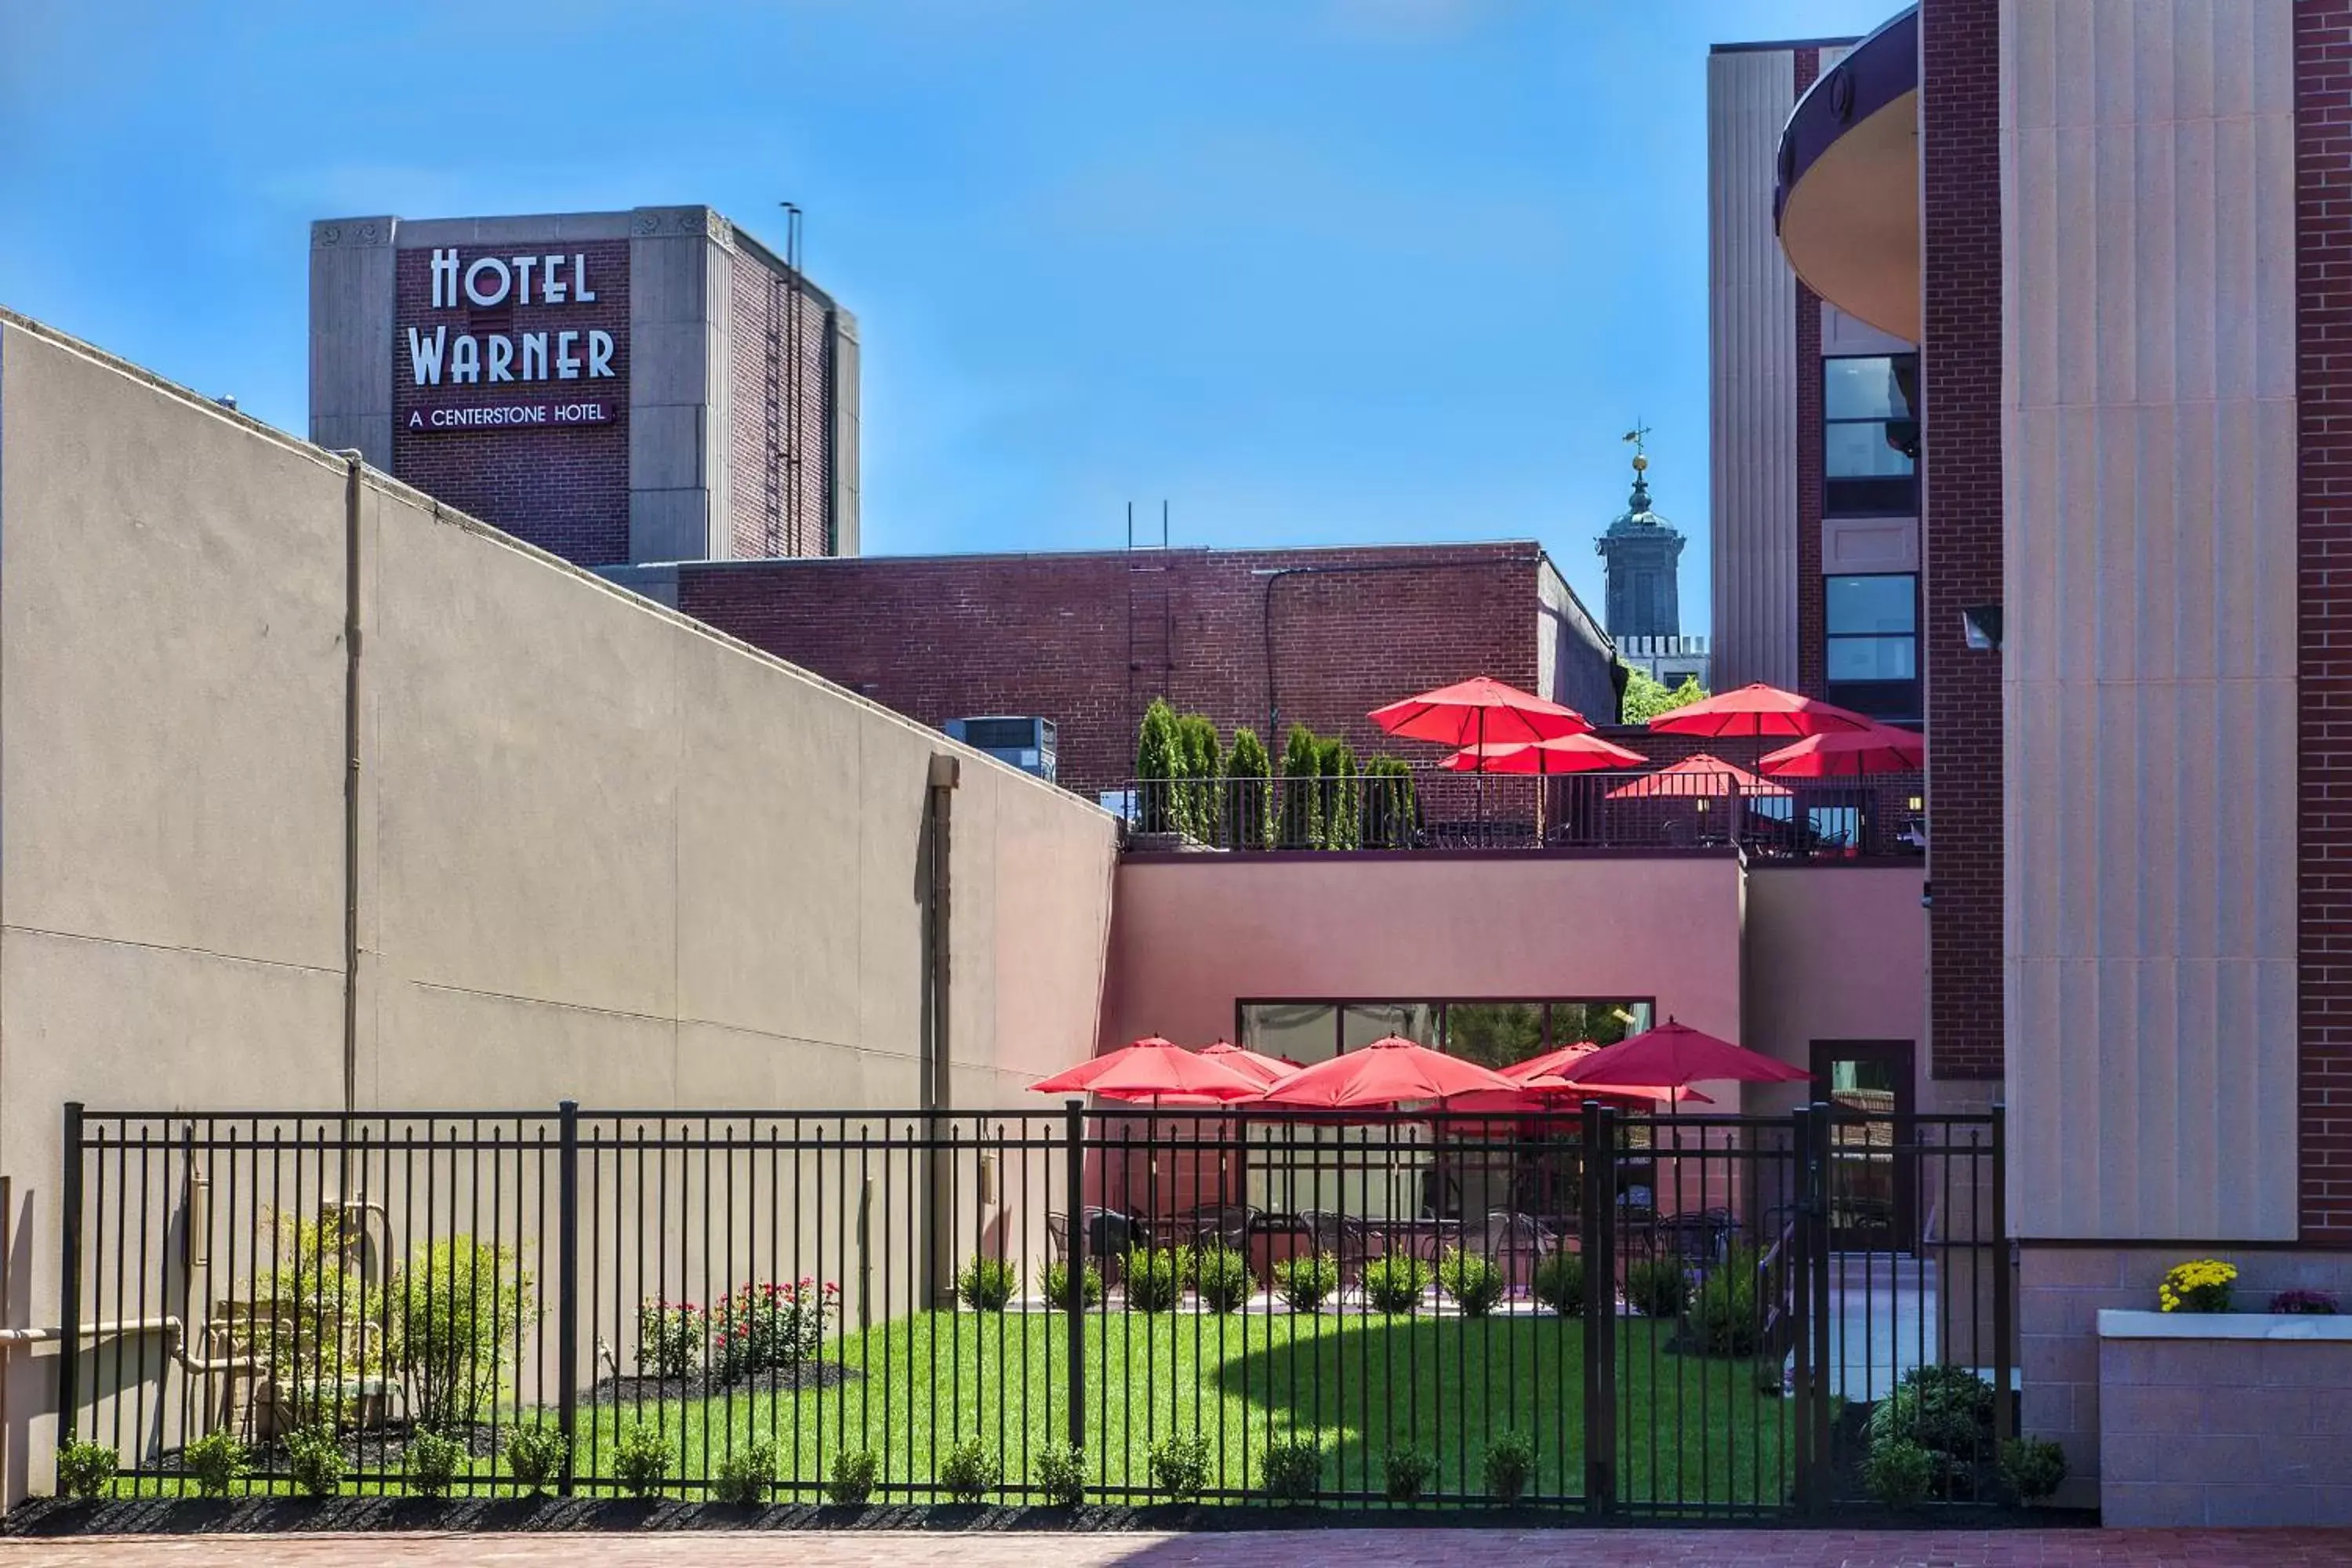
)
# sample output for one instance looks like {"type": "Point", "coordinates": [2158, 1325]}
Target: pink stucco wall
{"type": "Point", "coordinates": [1834, 952]}
{"type": "Point", "coordinates": [1192, 934]}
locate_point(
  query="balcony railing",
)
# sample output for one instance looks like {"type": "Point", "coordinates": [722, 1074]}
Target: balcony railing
{"type": "Point", "coordinates": [1431, 809]}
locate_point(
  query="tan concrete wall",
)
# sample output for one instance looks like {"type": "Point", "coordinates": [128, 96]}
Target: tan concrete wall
{"type": "Point", "coordinates": [2149, 660]}
{"type": "Point", "coordinates": [2224, 1432]}
{"type": "Point", "coordinates": [605, 854]}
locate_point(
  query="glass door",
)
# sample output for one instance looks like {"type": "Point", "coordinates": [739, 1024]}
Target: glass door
{"type": "Point", "coordinates": [1873, 1168]}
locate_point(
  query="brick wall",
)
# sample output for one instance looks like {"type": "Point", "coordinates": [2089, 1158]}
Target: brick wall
{"type": "Point", "coordinates": [2322, 114]}
{"type": "Point", "coordinates": [941, 638]}
{"type": "Point", "coordinates": [778, 506]}
{"type": "Point", "coordinates": [1813, 653]}
{"type": "Point", "coordinates": [1960, 222]}
{"type": "Point", "coordinates": [566, 490]}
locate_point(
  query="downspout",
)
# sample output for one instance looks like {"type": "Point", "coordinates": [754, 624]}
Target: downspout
{"type": "Point", "coordinates": [938, 1095]}
{"type": "Point", "coordinates": [354, 470]}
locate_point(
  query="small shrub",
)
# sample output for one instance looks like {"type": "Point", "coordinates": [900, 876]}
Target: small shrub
{"type": "Point", "coordinates": [1394, 1284]}
{"type": "Point", "coordinates": [1510, 1466]}
{"type": "Point", "coordinates": [1155, 1278]}
{"type": "Point", "coordinates": [1558, 1283]}
{"type": "Point", "coordinates": [433, 1461]}
{"type": "Point", "coordinates": [314, 1456]}
{"type": "Point", "coordinates": [1057, 1287]}
{"type": "Point", "coordinates": [970, 1471]}
{"type": "Point", "coordinates": [1476, 1283]}
{"type": "Point", "coordinates": [772, 1327]}
{"type": "Point", "coordinates": [2034, 1467]}
{"type": "Point", "coordinates": [1306, 1281]}
{"type": "Point", "coordinates": [1405, 1472]}
{"type": "Point", "coordinates": [670, 1336]}
{"type": "Point", "coordinates": [1222, 1276]}
{"type": "Point", "coordinates": [745, 1474]}
{"type": "Point", "coordinates": [1657, 1287]}
{"type": "Point", "coordinates": [1725, 1310]}
{"type": "Point", "coordinates": [1249, 797]}
{"type": "Point", "coordinates": [1899, 1473]}
{"type": "Point", "coordinates": [1944, 1409]}
{"type": "Point", "coordinates": [1179, 1467]}
{"type": "Point", "coordinates": [641, 1457]}
{"type": "Point", "coordinates": [1059, 1471]}
{"type": "Point", "coordinates": [218, 1462]}
{"type": "Point", "coordinates": [2202, 1285]}
{"type": "Point", "coordinates": [85, 1469]}
{"type": "Point", "coordinates": [450, 1321]}
{"type": "Point", "coordinates": [853, 1477]}
{"type": "Point", "coordinates": [2316, 1303]}
{"type": "Point", "coordinates": [988, 1284]}
{"type": "Point", "coordinates": [535, 1454]}
{"type": "Point", "coordinates": [1293, 1469]}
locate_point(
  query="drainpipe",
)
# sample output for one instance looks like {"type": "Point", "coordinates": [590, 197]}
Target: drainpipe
{"type": "Point", "coordinates": [937, 1098]}
{"type": "Point", "coordinates": [354, 469]}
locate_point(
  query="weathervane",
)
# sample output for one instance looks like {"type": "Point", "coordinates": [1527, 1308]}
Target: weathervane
{"type": "Point", "coordinates": [1638, 435]}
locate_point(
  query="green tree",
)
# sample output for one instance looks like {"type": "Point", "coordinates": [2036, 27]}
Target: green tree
{"type": "Point", "coordinates": [1196, 746]}
{"type": "Point", "coordinates": [1302, 790]}
{"type": "Point", "coordinates": [1645, 699]}
{"type": "Point", "coordinates": [1342, 802]}
{"type": "Point", "coordinates": [1391, 812]}
{"type": "Point", "coordinates": [1248, 798]}
{"type": "Point", "coordinates": [1158, 764]}
{"type": "Point", "coordinates": [1494, 1033]}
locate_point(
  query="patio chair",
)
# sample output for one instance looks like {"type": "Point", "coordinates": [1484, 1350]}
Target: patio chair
{"type": "Point", "coordinates": [1226, 1223]}
{"type": "Point", "coordinates": [1516, 1244]}
{"type": "Point", "coordinates": [1108, 1237]}
{"type": "Point", "coordinates": [1344, 1236]}
{"type": "Point", "coordinates": [1057, 1235]}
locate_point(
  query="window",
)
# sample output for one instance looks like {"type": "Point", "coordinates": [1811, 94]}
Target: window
{"type": "Point", "coordinates": [1495, 1034]}
{"type": "Point", "coordinates": [1870, 435]}
{"type": "Point", "coordinates": [1872, 627]}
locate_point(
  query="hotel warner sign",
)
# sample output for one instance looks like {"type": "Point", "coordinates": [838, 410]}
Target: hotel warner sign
{"type": "Point", "coordinates": [437, 356]}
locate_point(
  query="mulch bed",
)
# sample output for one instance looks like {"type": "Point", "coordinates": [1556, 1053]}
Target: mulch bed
{"type": "Point", "coordinates": [794, 1379]}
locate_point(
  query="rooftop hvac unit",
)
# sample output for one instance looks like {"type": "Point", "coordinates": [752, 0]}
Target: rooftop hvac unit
{"type": "Point", "coordinates": [1026, 743]}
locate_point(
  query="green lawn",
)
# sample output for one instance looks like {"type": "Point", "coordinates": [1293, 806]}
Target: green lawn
{"type": "Point", "coordinates": [1690, 1430]}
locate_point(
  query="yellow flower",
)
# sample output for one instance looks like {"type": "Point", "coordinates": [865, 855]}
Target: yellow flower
{"type": "Point", "coordinates": [2200, 1277]}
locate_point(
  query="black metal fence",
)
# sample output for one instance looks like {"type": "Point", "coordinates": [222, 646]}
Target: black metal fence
{"type": "Point", "coordinates": [1432, 808]}
{"type": "Point", "coordinates": [1661, 1315]}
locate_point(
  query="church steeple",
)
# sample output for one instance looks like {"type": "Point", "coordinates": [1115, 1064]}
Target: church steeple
{"type": "Point", "coordinates": [1642, 549]}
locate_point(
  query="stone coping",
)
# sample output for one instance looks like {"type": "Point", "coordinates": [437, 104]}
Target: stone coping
{"type": "Point", "coordinates": [2117, 1323]}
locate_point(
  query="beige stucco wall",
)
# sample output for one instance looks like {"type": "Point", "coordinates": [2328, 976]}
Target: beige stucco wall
{"type": "Point", "coordinates": [604, 853]}
{"type": "Point", "coordinates": [2149, 658]}
{"type": "Point", "coordinates": [1192, 934]}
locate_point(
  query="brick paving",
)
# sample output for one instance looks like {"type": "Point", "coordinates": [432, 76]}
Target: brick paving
{"type": "Point", "coordinates": [1354, 1548]}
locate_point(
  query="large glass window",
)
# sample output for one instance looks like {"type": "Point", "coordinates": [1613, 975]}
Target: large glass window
{"type": "Point", "coordinates": [1870, 433]}
{"type": "Point", "coordinates": [1871, 625]}
{"type": "Point", "coordinates": [1496, 1034]}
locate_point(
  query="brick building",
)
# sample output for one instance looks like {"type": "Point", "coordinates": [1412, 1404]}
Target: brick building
{"type": "Point", "coordinates": [653, 384]}
{"type": "Point", "coordinates": [1261, 637]}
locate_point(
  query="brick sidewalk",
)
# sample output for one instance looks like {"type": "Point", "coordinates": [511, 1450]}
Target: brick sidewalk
{"type": "Point", "coordinates": [1336, 1548]}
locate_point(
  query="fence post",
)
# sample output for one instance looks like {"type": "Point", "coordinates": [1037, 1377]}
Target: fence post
{"type": "Point", "coordinates": [1074, 1206]}
{"type": "Point", "coordinates": [567, 1291]}
{"type": "Point", "coordinates": [2004, 1282]}
{"type": "Point", "coordinates": [1599, 1204]}
{"type": "Point", "coordinates": [69, 1281]}
{"type": "Point", "coordinates": [1817, 1257]}
{"type": "Point", "coordinates": [1802, 1308]}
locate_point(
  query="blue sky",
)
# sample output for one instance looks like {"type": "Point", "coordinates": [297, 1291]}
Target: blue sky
{"type": "Point", "coordinates": [1311, 270]}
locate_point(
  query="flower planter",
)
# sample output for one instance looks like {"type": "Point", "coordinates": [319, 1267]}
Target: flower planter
{"type": "Point", "coordinates": [2228, 1419]}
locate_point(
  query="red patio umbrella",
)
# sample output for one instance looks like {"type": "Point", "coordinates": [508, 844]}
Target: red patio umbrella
{"type": "Point", "coordinates": [1387, 1073]}
{"type": "Point", "coordinates": [1700, 775]}
{"type": "Point", "coordinates": [1156, 1069]}
{"type": "Point", "coordinates": [1759, 709]}
{"type": "Point", "coordinates": [1677, 1055]}
{"type": "Point", "coordinates": [1477, 712]}
{"type": "Point", "coordinates": [1583, 752]}
{"type": "Point", "coordinates": [1266, 1069]}
{"type": "Point", "coordinates": [1847, 754]}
